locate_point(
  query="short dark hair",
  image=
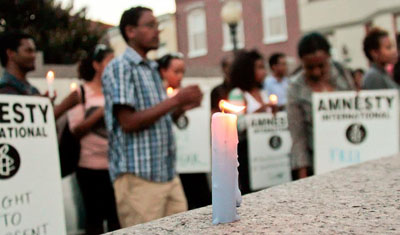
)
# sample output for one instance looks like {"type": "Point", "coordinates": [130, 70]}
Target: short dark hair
{"type": "Point", "coordinates": [131, 17]}
{"type": "Point", "coordinates": [85, 67]}
{"type": "Point", "coordinates": [274, 58]}
{"type": "Point", "coordinates": [311, 43]}
{"type": "Point", "coordinates": [242, 72]}
{"type": "Point", "coordinates": [165, 61]}
{"type": "Point", "coordinates": [372, 41]}
{"type": "Point", "coordinates": [10, 40]}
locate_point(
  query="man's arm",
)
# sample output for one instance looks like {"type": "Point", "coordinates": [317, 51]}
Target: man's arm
{"type": "Point", "coordinates": [132, 120]}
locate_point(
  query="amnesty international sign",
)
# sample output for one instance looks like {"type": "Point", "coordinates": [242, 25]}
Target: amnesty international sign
{"type": "Point", "coordinates": [352, 127]}
{"type": "Point", "coordinates": [30, 180]}
{"type": "Point", "coordinates": [269, 145]}
{"type": "Point", "coordinates": [192, 132]}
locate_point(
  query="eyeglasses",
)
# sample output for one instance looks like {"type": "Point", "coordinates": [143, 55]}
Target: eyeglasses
{"type": "Point", "coordinates": [99, 48]}
{"type": "Point", "coordinates": [151, 25]}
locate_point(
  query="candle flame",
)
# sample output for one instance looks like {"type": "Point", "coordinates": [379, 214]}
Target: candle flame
{"type": "Point", "coordinates": [73, 86]}
{"type": "Point", "coordinates": [273, 99]}
{"type": "Point", "coordinates": [226, 106]}
{"type": "Point", "coordinates": [170, 91]}
{"type": "Point", "coordinates": [50, 75]}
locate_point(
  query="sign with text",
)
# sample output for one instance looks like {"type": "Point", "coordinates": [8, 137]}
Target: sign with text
{"type": "Point", "coordinates": [30, 180]}
{"type": "Point", "coordinates": [269, 146]}
{"type": "Point", "coordinates": [352, 127]}
{"type": "Point", "coordinates": [192, 132]}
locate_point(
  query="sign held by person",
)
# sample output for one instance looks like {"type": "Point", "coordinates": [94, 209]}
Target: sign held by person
{"type": "Point", "coordinates": [351, 127]}
{"type": "Point", "coordinates": [30, 178]}
{"type": "Point", "coordinates": [269, 145]}
{"type": "Point", "coordinates": [192, 132]}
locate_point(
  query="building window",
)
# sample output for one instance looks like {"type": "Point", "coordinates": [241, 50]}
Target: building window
{"type": "Point", "coordinates": [228, 45]}
{"type": "Point", "coordinates": [274, 19]}
{"type": "Point", "coordinates": [197, 33]}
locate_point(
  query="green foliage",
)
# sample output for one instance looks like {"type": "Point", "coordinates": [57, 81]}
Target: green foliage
{"type": "Point", "coordinates": [62, 35]}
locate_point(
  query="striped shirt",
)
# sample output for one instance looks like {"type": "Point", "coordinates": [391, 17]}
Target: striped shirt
{"type": "Point", "coordinates": [150, 153]}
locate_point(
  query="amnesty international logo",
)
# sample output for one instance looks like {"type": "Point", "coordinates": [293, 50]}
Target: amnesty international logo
{"type": "Point", "coordinates": [275, 142]}
{"type": "Point", "coordinates": [9, 161]}
{"type": "Point", "coordinates": [356, 133]}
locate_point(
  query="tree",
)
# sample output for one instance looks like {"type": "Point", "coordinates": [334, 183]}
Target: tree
{"type": "Point", "coordinates": [63, 36]}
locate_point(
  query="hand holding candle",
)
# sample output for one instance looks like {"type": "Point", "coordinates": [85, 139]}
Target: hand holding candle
{"type": "Point", "coordinates": [50, 83]}
{"type": "Point", "coordinates": [225, 191]}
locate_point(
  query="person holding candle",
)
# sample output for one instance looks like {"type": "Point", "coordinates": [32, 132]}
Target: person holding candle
{"type": "Point", "coordinates": [277, 83]}
{"type": "Point", "coordinates": [247, 76]}
{"type": "Point", "coordinates": [17, 55]}
{"type": "Point", "coordinates": [86, 121]}
{"type": "Point", "coordinates": [172, 69]}
{"type": "Point", "coordinates": [318, 74]}
{"type": "Point", "coordinates": [138, 119]}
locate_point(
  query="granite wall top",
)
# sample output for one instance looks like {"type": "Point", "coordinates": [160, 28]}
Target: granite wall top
{"type": "Point", "coordinates": [360, 199]}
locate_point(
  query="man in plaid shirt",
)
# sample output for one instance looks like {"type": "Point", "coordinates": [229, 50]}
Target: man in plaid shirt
{"type": "Point", "coordinates": [138, 117]}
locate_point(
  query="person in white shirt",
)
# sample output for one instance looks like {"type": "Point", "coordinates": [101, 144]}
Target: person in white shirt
{"type": "Point", "coordinates": [277, 82]}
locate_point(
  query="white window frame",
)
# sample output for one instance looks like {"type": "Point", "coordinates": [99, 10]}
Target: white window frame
{"type": "Point", "coordinates": [196, 29]}
{"type": "Point", "coordinates": [228, 45]}
{"type": "Point", "coordinates": [268, 38]}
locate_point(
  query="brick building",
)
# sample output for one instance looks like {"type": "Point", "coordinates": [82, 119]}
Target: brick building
{"type": "Point", "coordinates": [268, 25]}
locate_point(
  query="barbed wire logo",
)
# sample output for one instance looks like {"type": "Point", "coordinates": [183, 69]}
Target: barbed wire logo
{"type": "Point", "coordinates": [9, 161]}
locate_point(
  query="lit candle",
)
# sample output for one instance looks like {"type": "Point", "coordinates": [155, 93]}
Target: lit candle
{"type": "Point", "coordinates": [73, 86]}
{"type": "Point", "coordinates": [273, 99]}
{"type": "Point", "coordinates": [226, 195]}
{"type": "Point", "coordinates": [50, 83]}
{"type": "Point", "coordinates": [171, 92]}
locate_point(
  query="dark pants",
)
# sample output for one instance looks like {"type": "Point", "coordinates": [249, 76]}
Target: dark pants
{"type": "Point", "coordinates": [244, 177]}
{"type": "Point", "coordinates": [197, 190]}
{"type": "Point", "coordinates": [99, 200]}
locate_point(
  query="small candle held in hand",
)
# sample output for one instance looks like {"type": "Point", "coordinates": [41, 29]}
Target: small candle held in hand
{"type": "Point", "coordinates": [273, 99]}
{"type": "Point", "coordinates": [171, 92]}
{"type": "Point", "coordinates": [226, 195]}
{"type": "Point", "coordinates": [50, 83]}
{"type": "Point", "coordinates": [73, 86]}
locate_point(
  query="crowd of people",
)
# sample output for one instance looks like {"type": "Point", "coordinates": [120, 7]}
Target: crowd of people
{"type": "Point", "coordinates": [124, 117]}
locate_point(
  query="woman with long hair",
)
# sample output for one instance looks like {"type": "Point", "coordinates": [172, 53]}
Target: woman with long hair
{"type": "Point", "coordinates": [247, 75]}
{"type": "Point", "coordinates": [86, 121]}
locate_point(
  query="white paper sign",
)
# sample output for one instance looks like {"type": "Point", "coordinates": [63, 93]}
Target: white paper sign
{"type": "Point", "coordinates": [30, 180]}
{"type": "Point", "coordinates": [192, 133]}
{"type": "Point", "coordinates": [269, 145]}
{"type": "Point", "coordinates": [351, 128]}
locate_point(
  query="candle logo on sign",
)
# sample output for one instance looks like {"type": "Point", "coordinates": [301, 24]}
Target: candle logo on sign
{"type": "Point", "coordinates": [182, 122]}
{"type": "Point", "coordinates": [356, 133]}
{"type": "Point", "coordinates": [9, 161]}
{"type": "Point", "coordinates": [275, 142]}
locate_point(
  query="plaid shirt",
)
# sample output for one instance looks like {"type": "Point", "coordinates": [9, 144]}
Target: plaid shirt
{"type": "Point", "coordinates": [150, 153]}
{"type": "Point", "coordinates": [11, 85]}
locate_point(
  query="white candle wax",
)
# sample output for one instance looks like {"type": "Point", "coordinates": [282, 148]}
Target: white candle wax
{"type": "Point", "coordinates": [50, 85]}
{"type": "Point", "coordinates": [225, 192]}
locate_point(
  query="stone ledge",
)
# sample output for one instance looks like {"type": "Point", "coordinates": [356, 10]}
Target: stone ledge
{"type": "Point", "coordinates": [359, 199]}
